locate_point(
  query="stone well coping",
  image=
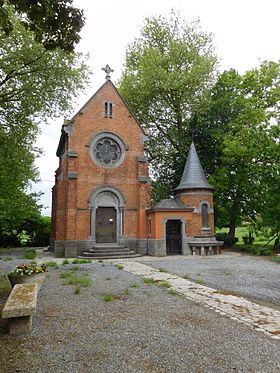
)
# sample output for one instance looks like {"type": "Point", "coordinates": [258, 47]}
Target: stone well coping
{"type": "Point", "coordinates": [21, 302]}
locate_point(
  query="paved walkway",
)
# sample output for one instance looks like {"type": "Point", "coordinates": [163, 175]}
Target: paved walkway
{"type": "Point", "coordinates": [240, 309]}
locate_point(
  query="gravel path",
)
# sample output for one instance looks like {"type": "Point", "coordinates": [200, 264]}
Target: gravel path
{"type": "Point", "coordinates": [254, 278]}
{"type": "Point", "coordinates": [144, 329]}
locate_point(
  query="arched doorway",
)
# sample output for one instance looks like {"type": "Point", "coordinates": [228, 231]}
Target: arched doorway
{"type": "Point", "coordinates": [173, 237]}
{"type": "Point", "coordinates": [106, 215]}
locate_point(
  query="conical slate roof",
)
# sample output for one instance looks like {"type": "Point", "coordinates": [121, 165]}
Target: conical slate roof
{"type": "Point", "coordinates": [193, 175]}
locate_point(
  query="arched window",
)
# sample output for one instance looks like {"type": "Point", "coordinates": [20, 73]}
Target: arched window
{"type": "Point", "coordinates": [204, 215]}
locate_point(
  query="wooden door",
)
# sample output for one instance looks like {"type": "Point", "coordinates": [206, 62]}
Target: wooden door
{"type": "Point", "coordinates": [174, 237]}
{"type": "Point", "coordinates": [106, 227]}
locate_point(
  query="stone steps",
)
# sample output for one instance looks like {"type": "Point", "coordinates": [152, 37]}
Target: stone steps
{"type": "Point", "coordinates": [109, 251]}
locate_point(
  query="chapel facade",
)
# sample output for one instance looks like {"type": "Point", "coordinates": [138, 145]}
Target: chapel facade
{"type": "Point", "coordinates": [101, 200]}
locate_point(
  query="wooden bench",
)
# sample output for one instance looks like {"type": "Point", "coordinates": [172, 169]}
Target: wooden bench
{"type": "Point", "coordinates": [20, 307]}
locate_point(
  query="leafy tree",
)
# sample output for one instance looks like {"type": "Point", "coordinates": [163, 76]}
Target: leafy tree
{"type": "Point", "coordinates": [35, 84]}
{"type": "Point", "coordinates": [168, 73]}
{"type": "Point", "coordinates": [55, 23]}
{"type": "Point", "coordinates": [242, 127]}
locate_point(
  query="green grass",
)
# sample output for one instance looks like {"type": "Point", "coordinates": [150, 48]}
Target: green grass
{"type": "Point", "coordinates": [108, 298]}
{"type": "Point", "coordinates": [119, 266]}
{"type": "Point", "coordinates": [75, 279]}
{"type": "Point", "coordinates": [186, 276]}
{"type": "Point", "coordinates": [7, 258]}
{"type": "Point", "coordinates": [126, 291]}
{"type": "Point", "coordinates": [65, 274]}
{"type": "Point", "coordinates": [276, 259]}
{"type": "Point", "coordinates": [29, 254]}
{"type": "Point", "coordinates": [135, 285]}
{"type": "Point", "coordinates": [162, 269]}
{"type": "Point", "coordinates": [77, 290]}
{"type": "Point", "coordinates": [165, 284]}
{"type": "Point", "coordinates": [65, 262]}
{"type": "Point", "coordinates": [51, 264]}
{"type": "Point", "coordinates": [81, 261]}
{"type": "Point", "coordinates": [240, 232]}
{"type": "Point", "coordinates": [148, 281]}
{"type": "Point", "coordinates": [199, 281]}
{"type": "Point", "coordinates": [74, 268]}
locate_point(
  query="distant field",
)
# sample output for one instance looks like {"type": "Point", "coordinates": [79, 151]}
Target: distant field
{"type": "Point", "coordinates": [244, 231]}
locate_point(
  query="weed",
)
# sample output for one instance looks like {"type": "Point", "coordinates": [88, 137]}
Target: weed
{"type": "Point", "coordinates": [276, 259]}
{"type": "Point", "coordinates": [165, 284]}
{"type": "Point", "coordinates": [81, 261]}
{"type": "Point", "coordinates": [173, 292]}
{"type": "Point", "coordinates": [77, 290]}
{"type": "Point", "coordinates": [74, 268]}
{"type": "Point", "coordinates": [134, 285]}
{"type": "Point", "coordinates": [108, 278]}
{"type": "Point", "coordinates": [65, 261]}
{"type": "Point", "coordinates": [7, 258]}
{"type": "Point", "coordinates": [126, 291]}
{"type": "Point", "coordinates": [65, 274]}
{"type": "Point", "coordinates": [199, 281]}
{"type": "Point", "coordinates": [74, 279]}
{"type": "Point", "coordinates": [186, 276]}
{"type": "Point", "coordinates": [33, 262]}
{"type": "Point", "coordinates": [119, 266]}
{"type": "Point", "coordinates": [162, 269]}
{"type": "Point", "coordinates": [51, 264]}
{"type": "Point", "coordinates": [100, 261]}
{"type": "Point", "coordinates": [108, 298]}
{"type": "Point", "coordinates": [148, 281]}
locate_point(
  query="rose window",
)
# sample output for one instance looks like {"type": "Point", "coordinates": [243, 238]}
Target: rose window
{"type": "Point", "coordinates": [107, 151]}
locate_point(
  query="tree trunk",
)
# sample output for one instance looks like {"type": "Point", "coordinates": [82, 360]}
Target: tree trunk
{"type": "Point", "coordinates": [232, 223]}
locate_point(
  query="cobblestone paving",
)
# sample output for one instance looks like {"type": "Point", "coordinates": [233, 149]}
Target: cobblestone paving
{"type": "Point", "coordinates": [263, 319]}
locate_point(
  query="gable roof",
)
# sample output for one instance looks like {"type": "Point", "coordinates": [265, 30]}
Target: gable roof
{"type": "Point", "coordinates": [109, 82]}
{"type": "Point", "coordinates": [193, 175]}
{"type": "Point", "coordinates": [64, 132]}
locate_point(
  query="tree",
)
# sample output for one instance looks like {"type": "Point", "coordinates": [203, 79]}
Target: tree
{"type": "Point", "coordinates": [242, 127]}
{"type": "Point", "coordinates": [35, 84]}
{"type": "Point", "coordinates": [168, 73]}
{"type": "Point", "coordinates": [55, 23]}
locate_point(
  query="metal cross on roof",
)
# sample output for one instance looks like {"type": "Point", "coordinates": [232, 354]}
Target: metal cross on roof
{"type": "Point", "coordinates": [107, 70]}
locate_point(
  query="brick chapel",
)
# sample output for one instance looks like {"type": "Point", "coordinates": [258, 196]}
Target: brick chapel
{"type": "Point", "coordinates": [101, 201]}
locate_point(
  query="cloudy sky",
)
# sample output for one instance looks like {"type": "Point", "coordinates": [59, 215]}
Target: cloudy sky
{"type": "Point", "coordinates": [245, 32]}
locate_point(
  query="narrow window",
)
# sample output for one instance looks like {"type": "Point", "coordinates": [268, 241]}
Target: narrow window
{"type": "Point", "coordinates": [108, 109]}
{"type": "Point", "coordinates": [204, 215]}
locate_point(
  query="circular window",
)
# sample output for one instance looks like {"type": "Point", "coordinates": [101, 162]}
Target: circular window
{"type": "Point", "coordinates": [107, 150]}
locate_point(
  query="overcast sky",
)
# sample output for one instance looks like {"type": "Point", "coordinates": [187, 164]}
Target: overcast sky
{"type": "Point", "coordinates": [245, 32]}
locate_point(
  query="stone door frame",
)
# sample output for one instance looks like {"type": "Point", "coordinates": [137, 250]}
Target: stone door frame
{"type": "Point", "coordinates": [107, 196]}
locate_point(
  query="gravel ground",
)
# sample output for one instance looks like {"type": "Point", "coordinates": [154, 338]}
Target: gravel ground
{"type": "Point", "coordinates": [254, 278]}
{"type": "Point", "coordinates": [144, 329]}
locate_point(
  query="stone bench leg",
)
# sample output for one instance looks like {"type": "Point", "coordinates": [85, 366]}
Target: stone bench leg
{"type": "Point", "coordinates": [202, 252]}
{"type": "Point", "coordinates": [210, 251]}
{"type": "Point", "coordinates": [20, 325]}
{"type": "Point", "coordinates": [194, 250]}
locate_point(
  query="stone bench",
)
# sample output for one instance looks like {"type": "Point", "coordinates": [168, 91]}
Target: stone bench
{"type": "Point", "coordinates": [20, 307]}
